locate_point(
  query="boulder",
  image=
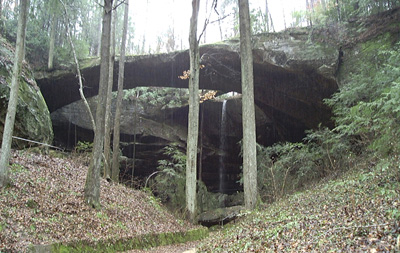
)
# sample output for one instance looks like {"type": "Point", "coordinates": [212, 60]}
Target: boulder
{"type": "Point", "coordinates": [33, 118]}
{"type": "Point", "coordinates": [220, 215]}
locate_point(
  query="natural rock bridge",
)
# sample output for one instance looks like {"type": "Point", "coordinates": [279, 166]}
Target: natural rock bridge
{"type": "Point", "coordinates": [292, 76]}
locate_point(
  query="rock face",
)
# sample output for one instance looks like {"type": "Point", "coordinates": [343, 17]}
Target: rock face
{"type": "Point", "coordinates": [33, 118]}
{"type": "Point", "coordinates": [156, 125]}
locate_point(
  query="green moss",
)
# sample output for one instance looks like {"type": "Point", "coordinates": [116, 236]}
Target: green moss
{"type": "Point", "coordinates": [89, 62]}
{"type": "Point", "coordinates": [123, 244]}
{"type": "Point", "coordinates": [33, 117]}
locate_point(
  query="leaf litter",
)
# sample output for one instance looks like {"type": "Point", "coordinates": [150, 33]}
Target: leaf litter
{"type": "Point", "coordinates": [45, 204]}
{"type": "Point", "coordinates": [359, 212]}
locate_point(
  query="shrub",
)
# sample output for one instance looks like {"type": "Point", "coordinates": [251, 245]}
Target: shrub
{"type": "Point", "coordinates": [286, 167]}
{"type": "Point", "coordinates": [83, 147]}
{"type": "Point", "coordinates": [170, 182]}
{"type": "Point", "coordinates": [367, 109]}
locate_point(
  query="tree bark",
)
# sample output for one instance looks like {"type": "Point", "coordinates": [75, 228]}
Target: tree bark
{"type": "Point", "coordinates": [50, 61]}
{"type": "Point", "coordinates": [92, 185]}
{"type": "Point", "coordinates": [107, 131]}
{"type": "Point", "coordinates": [13, 100]}
{"type": "Point", "coordinates": [16, 4]}
{"type": "Point", "coordinates": [99, 29]}
{"type": "Point", "coordinates": [117, 120]}
{"type": "Point", "coordinates": [338, 11]}
{"type": "Point", "coordinates": [308, 10]}
{"type": "Point", "coordinates": [193, 117]}
{"type": "Point", "coordinates": [248, 111]}
{"type": "Point", "coordinates": [267, 14]}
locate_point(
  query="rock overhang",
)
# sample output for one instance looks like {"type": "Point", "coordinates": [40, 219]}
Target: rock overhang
{"type": "Point", "coordinates": [292, 76]}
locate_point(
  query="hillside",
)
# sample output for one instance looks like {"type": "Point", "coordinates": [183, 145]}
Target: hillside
{"type": "Point", "coordinates": [358, 212]}
{"type": "Point", "coordinates": [45, 205]}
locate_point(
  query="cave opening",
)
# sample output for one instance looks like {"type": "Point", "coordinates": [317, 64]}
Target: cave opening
{"type": "Point", "coordinates": [149, 127]}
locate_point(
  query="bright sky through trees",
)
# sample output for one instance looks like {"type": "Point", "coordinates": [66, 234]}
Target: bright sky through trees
{"type": "Point", "coordinates": [154, 19]}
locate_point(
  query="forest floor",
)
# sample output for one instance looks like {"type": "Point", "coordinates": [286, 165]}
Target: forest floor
{"type": "Point", "coordinates": [45, 204]}
{"type": "Point", "coordinates": [358, 211]}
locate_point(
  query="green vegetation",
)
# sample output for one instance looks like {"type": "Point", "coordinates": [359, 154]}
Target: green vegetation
{"type": "Point", "coordinates": [158, 96]}
{"type": "Point", "coordinates": [287, 167]}
{"type": "Point", "coordinates": [169, 183]}
{"type": "Point", "coordinates": [366, 111]}
{"type": "Point", "coordinates": [84, 147]}
{"type": "Point", "coordinates": [123, 244]}
{"type": "Point", "coordinates": [332, 11]}
{"type": "Point", "coordinates": [368, 108]}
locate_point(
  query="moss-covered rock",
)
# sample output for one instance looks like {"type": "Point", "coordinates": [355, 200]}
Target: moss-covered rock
{"type": "Point", "coordinates": [33, 118]}
{"type": "Point", "coordinates": [122, 244]}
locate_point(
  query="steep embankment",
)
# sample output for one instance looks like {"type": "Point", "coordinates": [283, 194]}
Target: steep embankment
{"type": "Point", "coordinates": [45, 205]}
{"type": "Point", "coordinates": [359, 212]}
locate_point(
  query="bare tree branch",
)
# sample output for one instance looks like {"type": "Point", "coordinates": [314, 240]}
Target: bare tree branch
{"type": "Point", "coordinates": [220, 19]}
{"type": "Point", "coordinates": [77, 66]}
{"type": "Point", "coordinates": [116, 5]}
{"type": "Point", "coordinates": [207, 21]}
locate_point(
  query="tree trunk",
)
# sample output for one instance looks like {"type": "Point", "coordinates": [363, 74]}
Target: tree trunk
{"type": "Point", "coordinates": [50, 63]}
{"type": "Point", "coordinates": [205, 31]}
{"type": "Point", "coordinates": [193, 117]}
{"type": "Point", "coordinates": [338, 11]}
{"type": "Point", "coordinates": [117, 120]}
{"type": "Point", "coordinates": [134, 138]}
{"type": "Point", "coordinates": [13, 100]}
{"type": "Point", "coordinates": [267, 14]}
{"type": "Point", "coordinates": [92, 186]}
{"type": "Point", "coordinates": [201, 145]}
{"type": "Point", "coordinates": [16, 4]}
{"type": "Point", "coordinates": [323, 3]}
{"type": "Point", "coordinates": [284, 18]}
{"type": "Point", "coordinates": [248, 115]}
{"type": "Point", "coordinates": [272, 23]}
{"type": "Point", "coordinates": [107, 130]}
{"type": "Point", "coordinates": [308, 10]}
{"type": "Point", "coordinates": [1, 8]}
{"type": "Point", "coordinates": [99, 29]}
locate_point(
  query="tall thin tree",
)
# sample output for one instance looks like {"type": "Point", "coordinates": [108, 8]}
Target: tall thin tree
{"type": "Point", "coordinates": [53, 26]}
{"type": "Point", "coordinates": [92, 185]}
{"type": "Point", "coordinates": [267, 14]}
{"type": "Point", "coordinates": [13, 100]}
{"type": "Point", "coordinates": [117, 120]}
{"type": "Point", "coordinates": [248, 110]}
{"type": "Point", "coordinates": [193, 124]}
{"type": "Point", "coordinates": [108, 122]}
